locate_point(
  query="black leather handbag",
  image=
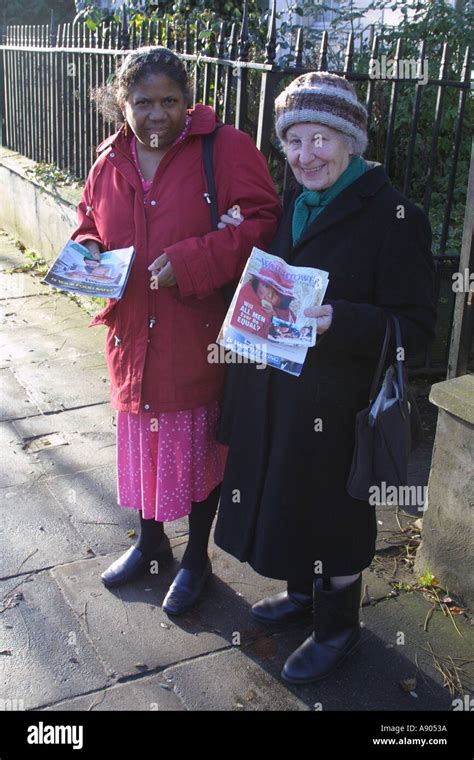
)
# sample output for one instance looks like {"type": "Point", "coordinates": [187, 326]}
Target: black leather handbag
{"type": "Point", "coordinates": [388, 429]}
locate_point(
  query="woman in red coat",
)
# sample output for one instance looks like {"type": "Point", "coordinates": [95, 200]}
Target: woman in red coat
{"type": "Point", "coordinates": [148, 189]}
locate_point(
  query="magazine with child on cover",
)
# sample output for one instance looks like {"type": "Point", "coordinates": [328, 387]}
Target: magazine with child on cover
{"type": "Point", "coordinates": [77, 270]}
{"type": "Point", "coordinates": [266, 319]}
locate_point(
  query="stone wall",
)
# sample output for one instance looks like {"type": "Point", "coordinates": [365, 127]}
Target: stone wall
{"type": "Point", "coordinates": [447, 547]}
{"type": "Point", "coordinates": [42, 217]}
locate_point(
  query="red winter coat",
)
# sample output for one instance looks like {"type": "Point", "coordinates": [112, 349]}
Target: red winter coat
{"type": "Point", "coordinates": [162, 366]}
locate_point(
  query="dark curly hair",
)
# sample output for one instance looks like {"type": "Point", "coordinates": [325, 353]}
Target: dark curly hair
{"type": "Point", "coordinates": [137, 65]}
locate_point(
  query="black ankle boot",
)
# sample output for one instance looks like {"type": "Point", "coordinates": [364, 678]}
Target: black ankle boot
{"type": "Point", "coordinates": [336, 632]}
{"type": "Point", "coordinates": [285, 608]}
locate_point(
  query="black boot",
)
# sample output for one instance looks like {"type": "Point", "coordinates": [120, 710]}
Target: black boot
{"type": "Point", "coordinates": [152, 546]}
{"type": "Point", "coordinates": [196, 567]}
{"type": "Point", "coordinates": [336, 631]}
{"type": "Point", "coordinates": [289, 607]}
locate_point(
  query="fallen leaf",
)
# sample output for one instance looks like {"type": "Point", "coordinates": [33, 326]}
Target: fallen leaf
{"type": "Point", "coordinates": [131, 533]}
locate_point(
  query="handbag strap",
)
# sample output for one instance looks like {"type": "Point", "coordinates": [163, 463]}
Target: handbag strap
{"type": "Point", "coordinates": [380, 364]}
{"type": "Point", "coordinates": [399, 361]}
{"type": "Point", "coordinates": [399, 365]}
{"type": "Point", "coordinates": [211, 195]}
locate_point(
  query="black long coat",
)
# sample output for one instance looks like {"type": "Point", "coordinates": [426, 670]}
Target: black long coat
{"type": "Point", "coordinates": [284, 504]}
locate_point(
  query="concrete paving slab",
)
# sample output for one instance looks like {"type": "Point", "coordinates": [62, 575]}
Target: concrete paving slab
{"type": "Point", "coordinates": [36, 531]}
{"type": "Point", "coordinates": [368, 680]}
{"type": "Point", "coordinates": [389, 535]}
{"type": "Point", "coordinates": [90, 500]}
{"type": "Point", "coordinates": [150, 693]}
{"type": "Point", "coordinates": [375, 588]}
{"type": "Point", "coordinates": [231, 681]}
{"type": "Point", "coordinates": [49, 656]}
{"type": "Point", "coordinates": [14, 285]}
{"type": "Point", "coordinates": [10, 255]}
{"type": "Point", "coordinates": [18, 467]}
{"type": "Point", "coordinates": [80, 384]}
{"type": "Point", "coordinates": [88, 432]}
{"type": "Point", "coordinates": [128, 627]}
{"type": "Point", "coordinates": [397, 648]}
{"type": "Point", "coordinates": [14, 399]}
{"type": "Point", "coordinates": [41, 328]}
{"type": "Point", "coordinates": [54, 311]}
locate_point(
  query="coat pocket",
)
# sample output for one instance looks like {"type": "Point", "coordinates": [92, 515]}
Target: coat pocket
{"type": "Point", "coordinates": [107, 316]}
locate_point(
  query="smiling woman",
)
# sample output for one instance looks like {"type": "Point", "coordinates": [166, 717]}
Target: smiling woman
{"type": "Point", "coordinates": [292, 438]}
{"type": "Point", "coordinates": [317, 154]}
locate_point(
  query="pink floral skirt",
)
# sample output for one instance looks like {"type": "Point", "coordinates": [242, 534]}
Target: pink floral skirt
{"type": "Point", "coordinates": [166, 461]}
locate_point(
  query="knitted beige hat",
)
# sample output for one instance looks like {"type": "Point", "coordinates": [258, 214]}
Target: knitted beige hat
{"type": "Point", "coordinates": [322, 98]}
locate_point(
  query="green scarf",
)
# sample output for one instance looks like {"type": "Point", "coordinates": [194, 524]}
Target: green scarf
{"type": "Point", "coordinates": [310, 203]}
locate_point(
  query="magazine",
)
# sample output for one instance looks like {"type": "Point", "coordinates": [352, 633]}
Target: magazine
{"type": "Point", "coordinates": [78, 271]}
{"type": "Point", "coordinates": [265, 321]}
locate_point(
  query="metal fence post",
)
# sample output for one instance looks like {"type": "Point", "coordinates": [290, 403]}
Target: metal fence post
{"type": "Point", "coordinates": [267, 90]}
{"type": "Point", "coordinates": [241, 108]}
{"type": "Point", "coordinates": [3, 108]}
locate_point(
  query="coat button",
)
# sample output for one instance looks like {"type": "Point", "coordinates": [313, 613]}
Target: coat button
{"type": "Point", "coordinates": [112, 155]}
{"type": "Point", "coordinates": [152, 203]}
{"type": "Point", "coordinates": [146, 406]}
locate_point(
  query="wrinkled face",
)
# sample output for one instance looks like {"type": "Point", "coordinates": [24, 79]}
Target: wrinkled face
{"type": "Point", "coordinates": [317, 154]}
{"type": "Point", "coordinates": [155, 109]}
{"type": "Point", "coordinates": [267, 293]}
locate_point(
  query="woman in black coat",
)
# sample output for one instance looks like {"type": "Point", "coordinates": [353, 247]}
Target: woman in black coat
{"type": "Point", "coordinates": [284, 506]}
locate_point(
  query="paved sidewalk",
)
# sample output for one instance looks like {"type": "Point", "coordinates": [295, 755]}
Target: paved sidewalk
{"type": "Point", "coordinates": [68, 643]}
